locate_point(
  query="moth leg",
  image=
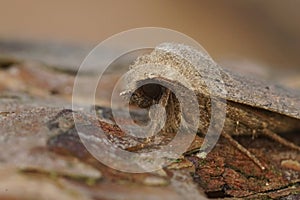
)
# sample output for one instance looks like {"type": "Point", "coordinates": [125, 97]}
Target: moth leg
{"type": "Point", "coordinates": [237, 145]}
{"type": "Point", "coordinates": [280, 139]}
{"type": "Point", "coordinates": [165, 97]}
{"type": "Point", "coordinates": [147, 142]}
{"type": "Point", "coordinates": [163, 101]}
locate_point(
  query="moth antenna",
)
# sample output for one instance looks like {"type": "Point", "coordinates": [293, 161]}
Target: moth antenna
{"type": "Point", "coordinates": [280, 139]}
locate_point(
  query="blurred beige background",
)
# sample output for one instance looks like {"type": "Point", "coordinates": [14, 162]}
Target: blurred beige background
{"type": "Point", "coordinates": [233, 31]}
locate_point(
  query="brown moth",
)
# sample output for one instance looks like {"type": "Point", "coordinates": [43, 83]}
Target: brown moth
{"type": "Point", "coordinates": [253, 106]}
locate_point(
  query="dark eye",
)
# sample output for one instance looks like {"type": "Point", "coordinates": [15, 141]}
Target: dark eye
{"type": "Point", "coordinates": [152, 91]}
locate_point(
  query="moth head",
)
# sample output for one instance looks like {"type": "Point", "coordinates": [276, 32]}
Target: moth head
{"type": "Point", "coordinates": [149, 94]}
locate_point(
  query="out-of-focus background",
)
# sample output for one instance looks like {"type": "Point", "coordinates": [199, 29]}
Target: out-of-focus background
{"type": "Point", "coordinates": [247, 34]}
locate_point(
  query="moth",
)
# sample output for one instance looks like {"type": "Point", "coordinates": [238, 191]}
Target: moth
{"type": "Point", "coordinates": [253, 106]}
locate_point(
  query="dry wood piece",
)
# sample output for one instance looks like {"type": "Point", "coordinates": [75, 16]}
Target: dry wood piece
{"type": "Point", "coordinates": [44, 157]}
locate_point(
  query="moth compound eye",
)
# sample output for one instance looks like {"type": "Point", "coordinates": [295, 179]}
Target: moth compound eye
{"type": "Point", "coordinates": [152, 91]}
